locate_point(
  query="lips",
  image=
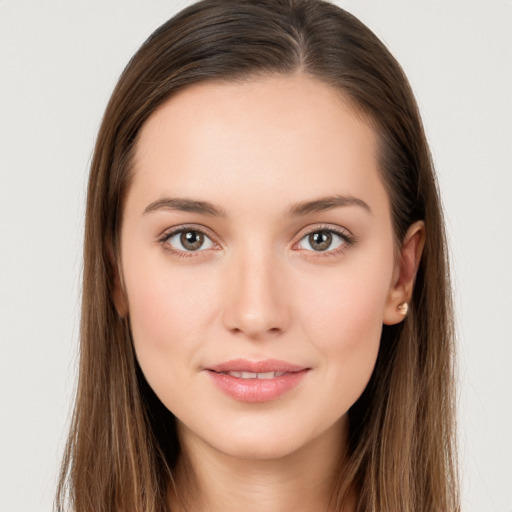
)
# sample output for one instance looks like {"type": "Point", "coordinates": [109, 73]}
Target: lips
{"type": "Point", "coordinates": [252, 375]}
{"type": "Point", "coordinates": [256, 381]}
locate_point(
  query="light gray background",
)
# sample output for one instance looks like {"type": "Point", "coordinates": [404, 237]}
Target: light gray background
{"type": "Point", "coordinates": [59, 60]}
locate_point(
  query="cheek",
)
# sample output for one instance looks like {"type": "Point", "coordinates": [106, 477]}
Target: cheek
{"type": "Point", "coordinates": [169, 315]}
{"type": "Point", "coordinates": [345, 303]}
{"type": "Point", "coordinates": [345, 325]}
{"type": "Point", "coordinates": [159, 310]}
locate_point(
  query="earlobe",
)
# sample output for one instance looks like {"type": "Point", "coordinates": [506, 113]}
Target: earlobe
{"type": "Point", "coordinates": [402, 285]}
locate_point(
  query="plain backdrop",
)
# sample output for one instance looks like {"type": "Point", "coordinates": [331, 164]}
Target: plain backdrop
{"type": "Point", "coordinates": [59, 60]}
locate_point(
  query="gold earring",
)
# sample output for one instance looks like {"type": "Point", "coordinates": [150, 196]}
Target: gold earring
{"type": "Point", "coordinates": [403, 308]}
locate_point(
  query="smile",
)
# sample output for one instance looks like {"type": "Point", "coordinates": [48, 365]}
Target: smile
{"type": "Point", "coordinates": [260, 381]}
{"type": "Point", "coordinates": [252, 375]}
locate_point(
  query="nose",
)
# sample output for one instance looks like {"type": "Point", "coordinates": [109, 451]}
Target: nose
{"type": "Point", "coordinates": [256, 298]}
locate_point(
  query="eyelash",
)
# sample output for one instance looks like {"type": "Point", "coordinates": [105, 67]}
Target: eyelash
{"type": "Point", "coordinates": [347, 240]}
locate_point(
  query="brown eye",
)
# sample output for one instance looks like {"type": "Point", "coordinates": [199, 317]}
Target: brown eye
{"type": "Point", "coordinates": [188, 240]}
{"type": "Point", "coordinates": [191, 240]}
{"type": "Point", "coordinates": [324, 240]}
{"type": "Point", "coordinates": [320, 241]}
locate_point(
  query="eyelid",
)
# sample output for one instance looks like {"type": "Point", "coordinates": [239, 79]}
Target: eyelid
{"type": "Point", "coordinates": [183, 227]}
{"type": "Point", "coordinates": [170, 232]}
{"type": "Point", "coordinates": [347, 237]}
{"type": "Point", "coordinates": [313, 228]}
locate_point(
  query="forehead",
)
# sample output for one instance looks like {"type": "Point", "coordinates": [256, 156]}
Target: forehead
{"type": "Point", "coordinates": [281, 136]}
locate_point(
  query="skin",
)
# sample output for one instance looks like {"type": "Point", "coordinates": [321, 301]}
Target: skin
{"type": "Point", "coordinates": [257, 288]}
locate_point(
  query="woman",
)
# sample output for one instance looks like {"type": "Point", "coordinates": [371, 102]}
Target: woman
{"type": "Point", "coordinates": [266, 315]}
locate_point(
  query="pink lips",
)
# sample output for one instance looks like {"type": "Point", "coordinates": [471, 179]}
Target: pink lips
{"type": "Point", "coordinates": [260, 388]}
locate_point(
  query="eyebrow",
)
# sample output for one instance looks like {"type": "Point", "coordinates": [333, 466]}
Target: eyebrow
{"type": "Point", "coordinates": [296, 210]}
{"type": "Point", "coordinates": [186, 205]}
{"type": "Point", "coordinates": [326, 203]}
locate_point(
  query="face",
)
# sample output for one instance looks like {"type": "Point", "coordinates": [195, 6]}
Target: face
{"type": "Point", "coordinates": [257, 262]}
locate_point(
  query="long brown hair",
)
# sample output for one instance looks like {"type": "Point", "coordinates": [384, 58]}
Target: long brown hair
{"type": "Point", "coordinates": [123, 446]}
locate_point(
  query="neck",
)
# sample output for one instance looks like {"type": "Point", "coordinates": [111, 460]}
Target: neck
{"type": "Point", "coordinates": [211, 481]}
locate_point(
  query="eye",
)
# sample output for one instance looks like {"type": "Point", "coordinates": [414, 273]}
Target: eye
{"type": "Point", "coordinates": [187, 240]}
{"type": "Point", "coordinates": [326, 240]}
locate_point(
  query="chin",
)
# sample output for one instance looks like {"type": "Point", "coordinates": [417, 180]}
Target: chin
{"type": "Point", "coordinates": [270, 447]}
{"type": "Point", "coordinates": [258, 440]}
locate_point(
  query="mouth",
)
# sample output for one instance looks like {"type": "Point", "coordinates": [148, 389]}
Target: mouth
{"type": "Point", "coordinates": [267, 366]}
{"type": "Point", "coordinates": [259, 381]}
{"type": "Point", "coordinates": [252, 375]}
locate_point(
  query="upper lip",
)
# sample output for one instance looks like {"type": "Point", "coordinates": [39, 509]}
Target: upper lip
{"type": "Point", "coordinates": [268, 365]}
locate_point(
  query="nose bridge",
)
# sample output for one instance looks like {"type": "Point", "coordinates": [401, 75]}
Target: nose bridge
{"type": "Point", "coordinates": [255, 301]}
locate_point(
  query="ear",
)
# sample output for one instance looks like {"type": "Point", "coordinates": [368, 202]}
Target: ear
{"type": "Point", "coordinates": [118, 288]}
{"type": "Point", "coordinates": [402, 284]}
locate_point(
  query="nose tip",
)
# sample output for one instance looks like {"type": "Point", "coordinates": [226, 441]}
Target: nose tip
{"type": "Point", "coordinates": [255, 324]}
{"type": "Point", "coordinates": [255, 303]}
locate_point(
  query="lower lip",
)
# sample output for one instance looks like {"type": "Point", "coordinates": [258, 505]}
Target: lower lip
{"type": "Point", "coordinates": [257, 390]}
